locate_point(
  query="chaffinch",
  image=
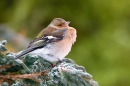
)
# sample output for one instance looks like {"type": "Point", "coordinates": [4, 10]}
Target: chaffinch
{"type": "Point", "coordinates": [54, 42]}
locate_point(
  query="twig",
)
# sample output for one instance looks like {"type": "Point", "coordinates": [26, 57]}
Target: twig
{"type": "Point", "coordinates": [4, 66]}
{"type": "Point", "coordinates": [24, 76]}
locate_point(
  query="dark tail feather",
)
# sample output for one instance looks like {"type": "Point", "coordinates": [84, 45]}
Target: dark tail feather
{"type": "Point", "coordinates": [28, 50]}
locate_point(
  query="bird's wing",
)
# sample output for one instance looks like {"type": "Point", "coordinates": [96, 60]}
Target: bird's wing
{"type": "Point", "coordinates": [59, 34]}
{"type": "Point", "coordinates": [37, 43]}
{"type": "Point", "coordinates": [54, 36]}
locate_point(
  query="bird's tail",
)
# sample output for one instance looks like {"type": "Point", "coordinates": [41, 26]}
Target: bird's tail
{"type": "Point", "coordinates": [28, 50]}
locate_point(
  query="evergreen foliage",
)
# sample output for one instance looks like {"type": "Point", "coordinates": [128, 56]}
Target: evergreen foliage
{"type": "Point", "coordinates": [32, 70]}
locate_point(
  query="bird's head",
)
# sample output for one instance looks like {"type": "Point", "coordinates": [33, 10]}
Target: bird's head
{"type": "Point", "coordinates": [59, 23]}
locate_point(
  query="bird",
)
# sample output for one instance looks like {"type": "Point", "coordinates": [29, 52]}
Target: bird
{"type": "Point", "coordinates": [54, 42]}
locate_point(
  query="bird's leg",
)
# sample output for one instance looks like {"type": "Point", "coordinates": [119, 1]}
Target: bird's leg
{"type": "Point", "coordinates": [52, 65]}
{"type": "Point", "coordinates": [59, 61]}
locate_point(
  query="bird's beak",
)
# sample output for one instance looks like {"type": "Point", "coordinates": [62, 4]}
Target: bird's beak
{"type": "Point", "coordinates": [67, 23]}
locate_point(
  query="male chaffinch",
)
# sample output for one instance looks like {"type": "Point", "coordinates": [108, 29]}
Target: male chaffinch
{"type": "Point", "coordinates": [54, 42]}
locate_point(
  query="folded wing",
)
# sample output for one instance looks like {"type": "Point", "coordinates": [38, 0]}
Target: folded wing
{"type": "Point", "coordinates": [37, 43]}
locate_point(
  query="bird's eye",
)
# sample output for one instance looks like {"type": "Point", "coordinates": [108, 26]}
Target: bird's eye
{"type": "Point", "coordinates": [60, 24]}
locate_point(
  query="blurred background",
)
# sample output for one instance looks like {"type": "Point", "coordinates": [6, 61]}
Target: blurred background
{"type": "Point", "coordinates": [103, 29]}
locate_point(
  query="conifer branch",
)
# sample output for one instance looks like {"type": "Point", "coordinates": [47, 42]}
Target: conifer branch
{"type": "Point", "coordinates": [34, 70]}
